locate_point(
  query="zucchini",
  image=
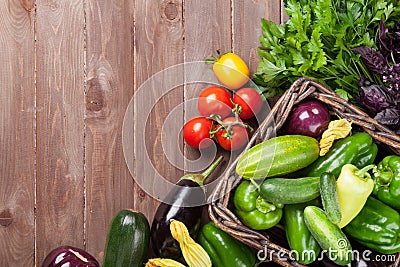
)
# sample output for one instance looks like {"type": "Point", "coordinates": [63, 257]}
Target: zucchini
{"type": "Point", "coordinates": [328, 235]}
{"type": "Point", "coordinates": [329, 197]}
{"type": "Point", "coordinates": [127, 240]}
{"type": "Point", "coordinates": [278, 156]}
{"type": "Point", "coordinates": [290, 191]}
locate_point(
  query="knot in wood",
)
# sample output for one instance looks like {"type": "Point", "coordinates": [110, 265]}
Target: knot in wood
{"type": "Point", "coordinates": [141, 194]}
{"type": "Point", "coordinates": [170, 10]}
{"type": "Point", "coordinates": [28, 5]}
{"type": "Point", "coordinates": [5, 218]}
{"type": "Point", "coordinates": [94, 96]}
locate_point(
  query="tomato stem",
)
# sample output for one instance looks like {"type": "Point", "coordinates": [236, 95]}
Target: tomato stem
{"type": "Point", "coordinates": [237, 109]}
{"type": "Point", "coordinates": [226, 126]}
{"type": "Point", "coordinates": [212, 59]}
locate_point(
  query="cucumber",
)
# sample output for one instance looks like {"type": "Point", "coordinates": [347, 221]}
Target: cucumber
{"type": "Point", "coordinates": [328, 235]}
{"type": "Point", "coordinates": [127, 240]}
{"type": "Point", "coordinates": [290, 191]}
{"type": "Point", "coordinates": [278, 156]}
{"type": "Point", "coordinates": [329, 197]}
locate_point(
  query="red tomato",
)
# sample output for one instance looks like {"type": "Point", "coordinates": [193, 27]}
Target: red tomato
{"type": "Point", "coordinates": [214, 100]}
{"type": "Point", "coordinates": [250, 101]}
{"type": "Point", "coordinates": [196, 132]}
{"type": "Point", "coordinates": [236, 141]}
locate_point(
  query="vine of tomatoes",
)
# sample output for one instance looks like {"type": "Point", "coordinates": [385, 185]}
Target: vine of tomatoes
{"type": "Point", "coordinates": [223, 110]}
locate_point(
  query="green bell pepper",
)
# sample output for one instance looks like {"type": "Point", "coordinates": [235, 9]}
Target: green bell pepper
{"type": "Point", "coordinates": [298, 236]}
{"type": "Point", "coordinates": [377, 227]}
{"type": "Point", "coordinates": [223, 249]}
{"type": "Point", "coordinates": [357, 149]}
{"type": "Point", "coordinates": [254, 211]}
{"type": "Point", "coordinates": [386, 176]}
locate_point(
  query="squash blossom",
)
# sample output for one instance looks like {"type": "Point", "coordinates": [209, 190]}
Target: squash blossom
{"type": "Point", "coordinates": [336, 130]}
{"type": "Point", "coordinates": [353, 188]}
{"type": "Point", "coordinates": [193, 253]}
{"type": "Point", "coordinates": [157, 262]}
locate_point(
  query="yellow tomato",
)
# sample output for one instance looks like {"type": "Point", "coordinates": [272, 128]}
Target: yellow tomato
{"type": "Point", "coordinates": [231, 71]}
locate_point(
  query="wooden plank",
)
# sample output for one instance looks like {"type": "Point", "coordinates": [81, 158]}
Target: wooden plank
{"type": "Point", "coordinates": [284, 17]}
{"type": "Point", "coordinates": [158, 45]}
{"type": "Point", "coordinates": [247, 27]}
{"type": "Point", "coordinates": [207, 29]}
{"type": "Point", "coordinates": [202, 41]}
{"type": "Point", "coordinates": [60, 125]}
{"type": "Point", "coordinates": [17, 61]}
{"type": "Point", "coordinates": [109, 87]}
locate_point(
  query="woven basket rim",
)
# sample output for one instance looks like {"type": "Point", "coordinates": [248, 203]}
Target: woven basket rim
{"type": "Point", "coordinates": [300, 89]}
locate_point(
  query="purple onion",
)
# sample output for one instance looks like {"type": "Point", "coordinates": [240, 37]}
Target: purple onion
{"type": "Point", "coordinates": [309, 118]}
{"type": "Point", "coordinates": [67, 256]}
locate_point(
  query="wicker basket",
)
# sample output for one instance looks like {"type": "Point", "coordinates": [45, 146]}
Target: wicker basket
{"type": "Point", "coordinates": [302, 88]}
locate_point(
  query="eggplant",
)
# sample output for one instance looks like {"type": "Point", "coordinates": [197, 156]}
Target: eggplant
{"type": "Point", "coordinates": [67, 256]}
{"type": "Point", "coordinates": [183, 203]}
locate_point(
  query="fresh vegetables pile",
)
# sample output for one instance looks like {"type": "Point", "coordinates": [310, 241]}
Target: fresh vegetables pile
{"type": "Point", "coordinates": [324, 202]}
{"type": "Point", "coordinates": [318, 180]}
{"type": "Point", "coordinates": [323, 40]}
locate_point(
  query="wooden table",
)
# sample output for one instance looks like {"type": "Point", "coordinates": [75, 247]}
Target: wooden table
{"type": "Point", "coordinates": [68, 71]}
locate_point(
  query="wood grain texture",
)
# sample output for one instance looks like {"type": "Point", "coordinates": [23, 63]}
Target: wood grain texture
{"type": "Point", "coordinates": [207, 29]}
{"type": "Point", "coordinates": [60, 125]}
{"type": "Point", "coordinates": [158, 45]}
{"type": "Point", "coordinates": [16, 135]}
{"type": "Point", "coordinates": [284, 17]}
{"type": "Point", "coordinates": [68, 71]}
{"type": "Point", "coordinates": [109, 87]}
{"type": "Point", "coordinates": [247, 27]}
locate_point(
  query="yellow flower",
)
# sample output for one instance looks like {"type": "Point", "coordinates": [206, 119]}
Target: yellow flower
{"type": "Point", "coordinates": [336, 129]}
{"type": "Point", "coordinates": [194, 254]}
{"type": "Point", "coordinates": [163, 263]}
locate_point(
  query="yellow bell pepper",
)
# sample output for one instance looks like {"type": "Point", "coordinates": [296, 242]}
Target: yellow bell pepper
{"type": "Point", "coordinates": [353, 188]}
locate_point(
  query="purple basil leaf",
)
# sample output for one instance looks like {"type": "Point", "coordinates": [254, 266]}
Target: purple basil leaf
{"type": "Point", "coordinates": [389, 117]}
{"type": "Point", "coordinates": [396, 68]}
{"type": "Point", "coordinates": [374, 61]}
{"type": "Point", "coordinates": [385, 42]}
{"type": "Point", "coordinates": [396, 43]}
{"type": "Point", "coordinates": [392, 76]}
{"type": "Point", "coordinates": [374, 98]}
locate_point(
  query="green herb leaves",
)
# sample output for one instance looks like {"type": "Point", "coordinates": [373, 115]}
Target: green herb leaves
{"type": "Point", "coordinates": [317, 40]}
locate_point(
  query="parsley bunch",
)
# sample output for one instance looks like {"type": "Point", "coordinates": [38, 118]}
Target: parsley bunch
{"type": "Point", "coordinates": [317, 42]}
